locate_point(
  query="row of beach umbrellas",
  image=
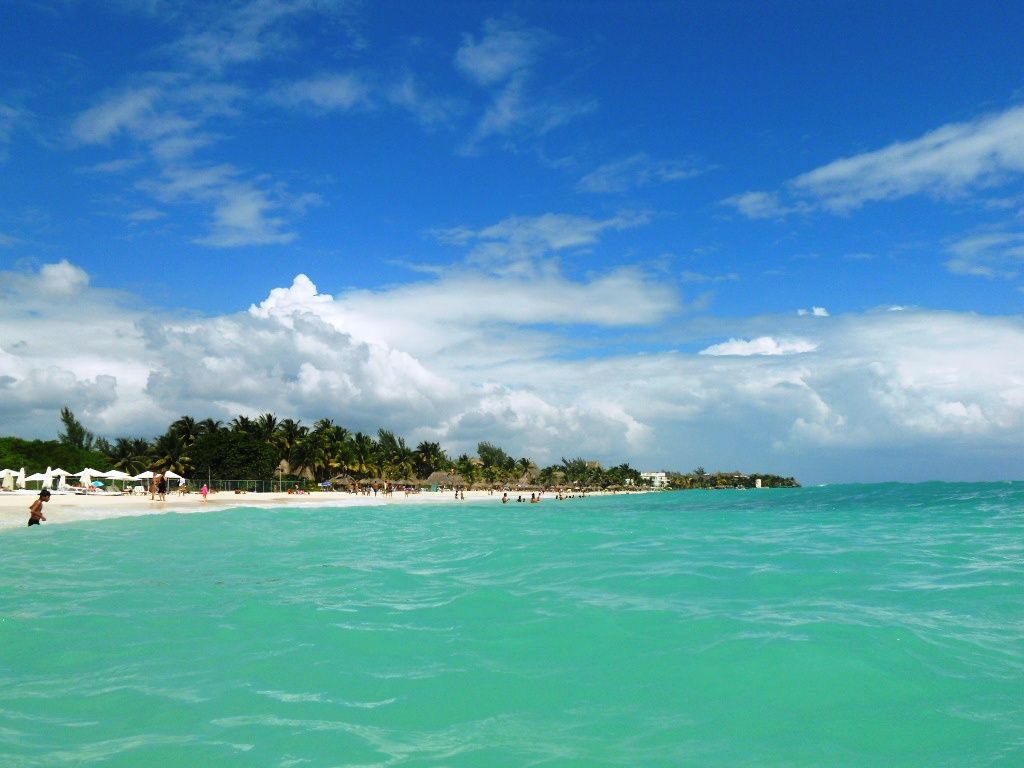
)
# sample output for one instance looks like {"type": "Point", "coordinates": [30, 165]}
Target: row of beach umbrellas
{"type": "Point", "coordinates": [9, 478]}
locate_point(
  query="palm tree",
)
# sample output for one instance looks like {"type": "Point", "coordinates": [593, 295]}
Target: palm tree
{"type": "Point", "coordinates": [549, 475]}
{"type": "Point", "coordinates": [430, 457]}
{"type": "Point", "coordinates": [170, 451]}
{"type": "Point", "coordinates": [396, 458]}
{"type": "Point", "coordinates": [210, 426]}
{"type": "Point", "coordinates": [187, 427]}
{"type": "Point", "coordinates": [130, 454]}
{"type": "Point", "coordinates": [306, 456]}
{"type": "Point", "coordinates": [469, 470]}
{"type": "Point", "coordinates": [265, 427]}
{"type": "Point", "coordinates": [289, 433]}
{"type": "Point", "coordinates": [362, 459]}
{"type": "Point", "coordinates": [242, 424]}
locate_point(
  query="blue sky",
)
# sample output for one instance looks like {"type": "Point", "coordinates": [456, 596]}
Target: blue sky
{"type": "Point", "coordinates": [784, 237]}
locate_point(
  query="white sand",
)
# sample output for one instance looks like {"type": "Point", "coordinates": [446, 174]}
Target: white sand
{"type": "Point", "coordinates": [71, 508]}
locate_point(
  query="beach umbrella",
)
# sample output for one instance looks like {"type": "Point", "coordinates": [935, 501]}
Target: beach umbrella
{"type": "Point", "coordinates": [48, 478]}
{"type": "Point", "coordinates": [147, 475]}
{"type": "Point", "coordinates": [169, 475]}
{"type": "Point", "coordinates": [87, 475]}
{"type": "Point", "coordinates": [8, 476]}
{"type": "Point", "coordinates": [20, 479]}
{"type": "Point", "coordinates": [117, 474]}
{"type": "Point", "coordinates": [36, 476]}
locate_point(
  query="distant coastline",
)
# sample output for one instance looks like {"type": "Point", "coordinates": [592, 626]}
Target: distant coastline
{"type": "Point", "coordinates": [270, 454]}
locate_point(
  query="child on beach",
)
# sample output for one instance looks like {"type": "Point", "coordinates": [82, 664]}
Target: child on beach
{"type": "Point", "coordinates": [35, 511]}
{"type": "Point", "coordinates": [204, 490]}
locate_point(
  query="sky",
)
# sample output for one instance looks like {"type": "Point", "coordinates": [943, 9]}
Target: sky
{"type": "Point", "coordinates": [782, 237]}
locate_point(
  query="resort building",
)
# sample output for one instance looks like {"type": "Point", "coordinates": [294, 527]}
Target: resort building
{"type": "Point", "coordinates": [657, 479]}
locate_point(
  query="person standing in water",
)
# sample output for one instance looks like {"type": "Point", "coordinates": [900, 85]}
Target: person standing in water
{"type": "Point", "coordinates": [35, 511]}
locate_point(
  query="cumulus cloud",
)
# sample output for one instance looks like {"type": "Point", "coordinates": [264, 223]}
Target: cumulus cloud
{"type": "Point", "coordinates": [460, 360]}
{"type": "Point", "coordinates": [813, 312]}
{"type": "Point", "coordinates": [763, 345]}
{"type": "Point", "coordinates": [952, 160]}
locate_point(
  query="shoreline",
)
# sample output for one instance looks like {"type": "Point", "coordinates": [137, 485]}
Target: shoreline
{"type": "Point", "coordinates": [63, 508]}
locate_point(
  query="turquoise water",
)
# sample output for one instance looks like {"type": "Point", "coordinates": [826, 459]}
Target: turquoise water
{"type": "Point", "coordinates": [875, 625]}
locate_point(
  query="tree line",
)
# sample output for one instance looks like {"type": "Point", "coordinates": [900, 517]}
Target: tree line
{"type": "Point", "coordinates": [700, 478]}
{"type": "Point", "coordinates": [266, 447]}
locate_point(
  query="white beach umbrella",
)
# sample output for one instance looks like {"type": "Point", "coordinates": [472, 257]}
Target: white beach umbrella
{"type": "Point", "coordinates": [172, 475]}
{"type": "Point", "coordinates": [8, 478]}
{"type": "Point", "coordinates": [61, 474]}
{"type": "Point", "coordinates": [20, 479]}
{"type": "Point", "coordinates": [147, 475]}
{"type": "Point", "coordinates": [48, 478]}
{"type": "Point", "coordinates": [87, 475]}
{"type": "Point", "coordinates": [117, 474]}
{"type": "Point", "coordinates": [33, 478]}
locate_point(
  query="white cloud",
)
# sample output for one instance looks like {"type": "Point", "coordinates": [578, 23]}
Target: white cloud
{"type": "Point", "coordinates": [63, 278]}
{"type": "Point", "coordinates": [485, 356]}
{"type": "Point", "coordinates": [514, 244]}
{"type": "Point", "coordinates": [331, 92]}
{"type": "Point", "coordinates": [429, 111]}
{"type": "Point", "coordinates": [504, 60]}
{"type": "Point", "coordinates": [242, 213]}
{"type": "Point", "coordinates": [949, 161]}
{"type": "Point", "coordinates": [763, 345]}
{"type": "Point", "coordinates": [992, 255]}
{"type": "Point", "coordinates": [762, 205]}
{"type": "Point", "coordinates": [813, 312]}
{"type": "Point", "coordinates": [639, 170]}
{"type": "Point", "coordinates": [225, 34]}
{"type": "Point", "coordinates": [504, 48]}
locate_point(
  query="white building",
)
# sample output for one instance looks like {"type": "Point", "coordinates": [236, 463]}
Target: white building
{"type": "Point", "coordinates": [656, 479]}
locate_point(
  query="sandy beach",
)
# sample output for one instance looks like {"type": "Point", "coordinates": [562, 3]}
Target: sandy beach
{"type": "Point", "coordinates": [72, 508]}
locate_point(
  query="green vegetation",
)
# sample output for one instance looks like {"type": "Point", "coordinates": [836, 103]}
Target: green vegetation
{"type": "Point", "coordinates": [36, 455]}
{"type": "Point", "coordinates": [699, 478]}
{"type": "Point", "coordinates": [265, 447]}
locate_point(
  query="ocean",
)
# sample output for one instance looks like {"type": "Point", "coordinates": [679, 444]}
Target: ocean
{"type": "Point", "coordinates": [855, 625]}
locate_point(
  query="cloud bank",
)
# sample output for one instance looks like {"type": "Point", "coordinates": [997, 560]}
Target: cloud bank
{"type": "Point", "coordinates": [474, 357]}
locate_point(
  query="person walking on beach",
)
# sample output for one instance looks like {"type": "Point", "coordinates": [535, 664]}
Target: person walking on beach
{"type": "Point", "coordinates": [35, 511]}
{"type": "Point", "coordinates": [204, 490]}
{"type": "Point", "coordinates": [161, 488]}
